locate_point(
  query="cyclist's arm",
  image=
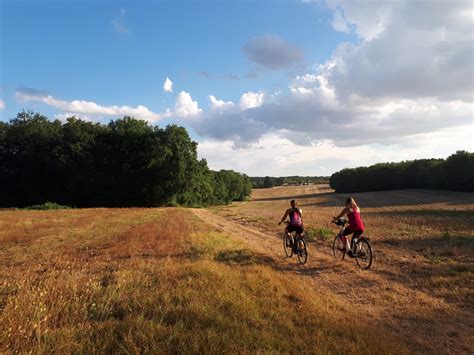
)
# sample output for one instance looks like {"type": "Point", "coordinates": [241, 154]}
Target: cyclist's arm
{"type": "Point", "coordinates": [343, 212]}
{"type": "Point", "coordinates": [287, 212]}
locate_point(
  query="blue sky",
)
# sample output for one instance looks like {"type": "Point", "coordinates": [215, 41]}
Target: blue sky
{"type": "Point", "coordinates": [298, 87]}
{"type": "Point", "coordinates": [74, 49]}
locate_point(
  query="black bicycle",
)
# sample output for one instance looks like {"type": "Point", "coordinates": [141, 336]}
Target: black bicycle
{"type": "Point", "coordinates": [362, 250]}
{"type": "Point", "coordinates": [295, 244]}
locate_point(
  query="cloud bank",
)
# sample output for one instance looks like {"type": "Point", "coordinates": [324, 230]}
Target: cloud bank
{"type": "Point", "coordinates": [82, 108]}
{"type": "Point", "coordinates": [410, 74]}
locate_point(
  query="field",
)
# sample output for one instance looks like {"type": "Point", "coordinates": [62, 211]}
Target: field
{"type": "Point", "coordinates": [216, 280]}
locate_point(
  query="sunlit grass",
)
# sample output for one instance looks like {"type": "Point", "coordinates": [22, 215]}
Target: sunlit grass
{"type": "Point", "coordinates": [423, 245]}
{"type": "Point", "coordinates": [154, 280]}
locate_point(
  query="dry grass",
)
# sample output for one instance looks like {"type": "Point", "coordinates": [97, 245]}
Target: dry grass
{"type": "Point", "coordinates": [158, 280]}
{"type": "Point", "coordinates": [421, 286]}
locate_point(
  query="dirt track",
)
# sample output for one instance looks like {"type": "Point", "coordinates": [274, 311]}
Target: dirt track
{"type": "Point", "coordinates": [393, 295]}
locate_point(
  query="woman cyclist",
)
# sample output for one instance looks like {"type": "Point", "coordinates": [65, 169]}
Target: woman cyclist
{"type": "Point", "coordinates": [296, 219]}
{"type": "Point", "coordinates": [355, 227]}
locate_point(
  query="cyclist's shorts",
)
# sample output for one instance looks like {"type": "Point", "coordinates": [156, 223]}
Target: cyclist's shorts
{"type": "Point", "coordinates": [297, 229]}
{"type": "Point", "coordinates": [348, 231]}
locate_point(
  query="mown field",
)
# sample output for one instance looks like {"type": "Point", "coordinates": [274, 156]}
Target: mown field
{"type": "Point", "coordinates": [216, 280]}
{"type": "Point", "coordinates": [155, 280]}
{"type": "Point", "coordinates": [420, 287]}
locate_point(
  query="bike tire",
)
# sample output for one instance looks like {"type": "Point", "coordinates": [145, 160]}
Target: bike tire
{"type": "Point", "coordinates": [364, 255]}
{"type": "Point", "coordinates": [301, 251]}
{"type": "Point", "coordinates": [287, 245]}
{"type": "Point", "coordinates": [338, 248]}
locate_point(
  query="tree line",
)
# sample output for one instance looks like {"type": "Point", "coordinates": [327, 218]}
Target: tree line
{"type": "Point", "coordinates": [269, 181]}
{"type": "Point", "coordinates": [124, 163]}
{"type": "Point", "coordinates": [454, 173]}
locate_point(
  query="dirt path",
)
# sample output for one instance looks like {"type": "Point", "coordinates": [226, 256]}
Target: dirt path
{"type": "Point", "coordinates": [424, 322]}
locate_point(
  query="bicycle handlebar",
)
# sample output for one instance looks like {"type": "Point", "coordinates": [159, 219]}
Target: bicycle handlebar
{"type": "Point", "coordinates": [339, 222]}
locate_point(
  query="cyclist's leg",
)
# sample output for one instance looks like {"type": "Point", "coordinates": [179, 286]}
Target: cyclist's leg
{"type": "Point", "coordinates": [288, 231]}
{"type": "Point", "coordinates": [299, 232]}
{"type": "Point", "coordinates": [345, 233]}
{"type": "Point", "coordinates": [355, 237]}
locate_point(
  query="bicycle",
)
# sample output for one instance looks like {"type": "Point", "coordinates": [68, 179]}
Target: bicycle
{"type": "Point", "coordinates": [295, 243]}
{"type": "Point", "coordinates": [362, 250]}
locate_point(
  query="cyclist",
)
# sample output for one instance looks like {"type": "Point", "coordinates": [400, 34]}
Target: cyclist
{"type": "Point", "coordinates": [296, 219]}
{"type": "Point", "coordinates": [355, 227]}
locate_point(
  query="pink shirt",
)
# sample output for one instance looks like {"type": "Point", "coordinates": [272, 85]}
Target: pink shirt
{"type": "Point", "coordinates": [355, 222]}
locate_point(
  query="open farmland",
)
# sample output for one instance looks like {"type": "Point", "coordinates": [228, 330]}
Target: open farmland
{"type": "Point", "coordinates": [216, 280]}
{"type": "Point", "coordinates": [156, 280]}
{"type": "Point", "coordinates": [421, 285]}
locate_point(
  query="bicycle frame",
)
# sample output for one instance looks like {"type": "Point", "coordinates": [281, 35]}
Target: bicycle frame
{"type": "Point", "coordinates": [297, 243]}
{"type": "Point", "coordinates": [341, 229]}
{"type": "Point", "coordinates": [363, 257]}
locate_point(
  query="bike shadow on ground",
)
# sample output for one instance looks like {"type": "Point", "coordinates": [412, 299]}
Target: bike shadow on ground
{"type": "Point", "coordinates": [244, 257]}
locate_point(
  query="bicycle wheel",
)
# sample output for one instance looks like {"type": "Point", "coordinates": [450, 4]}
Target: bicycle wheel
{"type": "Point", "coordinates": [363, 254]}
{"type": "Point", "coordinates": [287, 245]}
{"type": "Point", "coordinates": [301, 251]}
{"type": "Point", "coordinates": [338, 248]}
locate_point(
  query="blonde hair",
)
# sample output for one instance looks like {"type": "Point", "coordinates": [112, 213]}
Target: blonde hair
{"type": "Point", "coordinates": [352, 202]}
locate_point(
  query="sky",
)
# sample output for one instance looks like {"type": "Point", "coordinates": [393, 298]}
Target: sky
{"type": "Point", "coordinates": [279, 88]}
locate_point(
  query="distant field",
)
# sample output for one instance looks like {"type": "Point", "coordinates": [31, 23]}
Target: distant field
{"type": "Point", "coordinates": [216, 280]}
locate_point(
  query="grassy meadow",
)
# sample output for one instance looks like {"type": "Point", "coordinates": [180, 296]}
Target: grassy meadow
{"type": "Point", "coordinates": [420, 287]}
{"type": "Point", "coordinates": [216, 280]}
{"type": "Point", "coordinates": [156, 280]}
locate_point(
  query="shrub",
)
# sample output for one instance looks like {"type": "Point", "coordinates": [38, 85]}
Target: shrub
{"type": "Point", "coordinates": [48, 206]}
{"type": "Point", "coordinates": [322, 233]}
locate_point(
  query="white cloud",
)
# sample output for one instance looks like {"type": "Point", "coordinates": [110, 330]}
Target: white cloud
{"type": "Point", "coordinates": [168, 85]}
{"type": "Point", "coordinates": [367, 18]}
{"type": "Point", "coordinates": [277, 156]}
{"type": "Point", "coordinates": [339, 23]}
{"type": "Point", "coordinates": [2, 104]}
{"type": "Point", "coordinates": [87, 108]}
{"type": "Point", "coordinates": [64, 116]}
{"type": "Point", "coordinates": [219, 104]}
{"type": "Point", "coordinates": [410, 74]}
{"type": "Point", "coordinates": [185, 107]}
{"type": "Point", "coordinates": [251, 99]}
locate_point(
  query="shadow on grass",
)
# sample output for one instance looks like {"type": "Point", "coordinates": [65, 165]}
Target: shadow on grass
{"type": "Point", "coordinates": [406, 197]}
{"type": "Point", "coordinates": [469, 214]}
{"type": "Point", "coordinates": [447, 264]}
{"type": "Point", "coordinates": [192, 254]}
{"type": "Point", "coordinates": [291, 197]}
{"type": "Point", "coordinates": [244, 257]}
{"type": "Point", "coordinates": [442, 244]}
